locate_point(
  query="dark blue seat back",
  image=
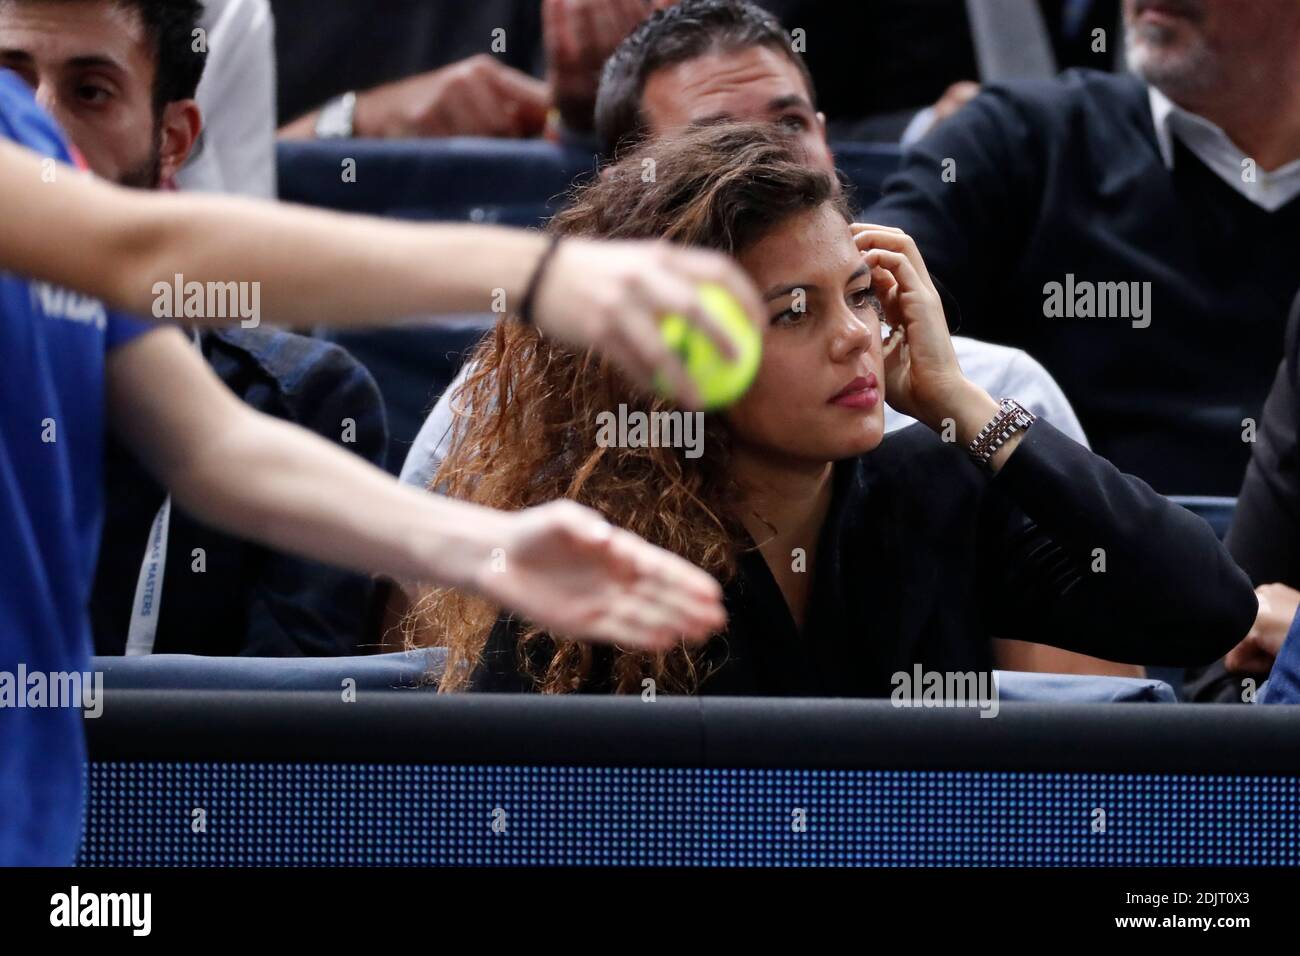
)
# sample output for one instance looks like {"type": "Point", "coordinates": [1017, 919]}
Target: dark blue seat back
{"type": "Point", "coordinates": [866, 166]}
{"type": "Point", "coordinates": [413, 367]}
{"type": "Point", "coordinates": [516, 182]}
{"type": "Point", "coordinates": [422, 668]}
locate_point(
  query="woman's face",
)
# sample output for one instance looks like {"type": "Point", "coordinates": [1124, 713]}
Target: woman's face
{"type": "Point", "coordinates": [819, 394]}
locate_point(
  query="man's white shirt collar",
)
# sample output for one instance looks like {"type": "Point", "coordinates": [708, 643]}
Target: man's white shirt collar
{"type": "Point", "coordinates": [1211, 145]}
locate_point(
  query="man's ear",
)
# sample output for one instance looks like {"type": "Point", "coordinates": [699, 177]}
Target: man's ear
{"type": "Point", "coordinates": [182, 122]}
{"type": "Point", "coordinates": [821, 120]}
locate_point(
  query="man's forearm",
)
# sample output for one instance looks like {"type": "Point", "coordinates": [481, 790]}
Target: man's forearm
{"type": "Point", "coordinates": [261, 478]}
{"type": "Point", "coordinates": [118, 244]}
{"type": "Point", "coordinates": [376, 271]}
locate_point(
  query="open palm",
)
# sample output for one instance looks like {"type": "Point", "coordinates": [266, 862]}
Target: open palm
{"type": "Point", "coordinates": [572, 573]}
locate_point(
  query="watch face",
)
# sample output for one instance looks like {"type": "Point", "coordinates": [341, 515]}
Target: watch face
{"type": "Point", "coordinates": [336, 117]}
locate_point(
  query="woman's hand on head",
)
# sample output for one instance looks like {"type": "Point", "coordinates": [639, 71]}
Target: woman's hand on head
{"type": "Point", "coordinates": [611, 296]}
{"type": "Point", "coordinates": [923, 378]}
{"type": "Point", "coordinates": [565, 568]}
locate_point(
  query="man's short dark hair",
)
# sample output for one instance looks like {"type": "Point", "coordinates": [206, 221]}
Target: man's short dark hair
{"type": "Point", "coordinates": [675, 34]}
{"type": "Point", "coordinates": [169, 27]}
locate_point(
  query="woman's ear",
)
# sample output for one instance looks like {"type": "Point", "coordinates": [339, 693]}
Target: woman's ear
{"type": "Point", "coordinates": [182, 121]}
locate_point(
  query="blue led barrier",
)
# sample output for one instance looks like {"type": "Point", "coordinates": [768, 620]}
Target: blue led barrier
{"type": "Point", "coordinates": [208, 777]}
{"type": "Point", "coordinates": [385, 815]}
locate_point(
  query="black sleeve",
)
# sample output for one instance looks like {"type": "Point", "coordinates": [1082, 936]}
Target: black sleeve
{"type": "Point", "coordinates": [299, 607]}
{"type": "Point", "coordinates": [968, 193]}
{"type": "Point", "coordinates": [1265, 533]}
{"type": "Point", "coordinates": [1092, 560]}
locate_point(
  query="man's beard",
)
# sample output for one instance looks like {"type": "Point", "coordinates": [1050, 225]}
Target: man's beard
{"type": "Point", "coordinates": [147, 175]}
{"type": "Point", "coordinates": [1182, 73]}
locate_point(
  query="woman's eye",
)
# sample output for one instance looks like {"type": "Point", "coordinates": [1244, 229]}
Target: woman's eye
{"type": "Point", "coordinates": [789, 317]}
{"type": "Point", "coordinates": [862, 299]}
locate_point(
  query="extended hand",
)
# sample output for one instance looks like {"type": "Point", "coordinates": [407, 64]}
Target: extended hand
{"type": "Point", "coordinates": [566, 569]}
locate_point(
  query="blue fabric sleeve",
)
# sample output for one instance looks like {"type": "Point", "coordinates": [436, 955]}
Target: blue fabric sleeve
{"type": "Point", "coordinates": [123, 328]}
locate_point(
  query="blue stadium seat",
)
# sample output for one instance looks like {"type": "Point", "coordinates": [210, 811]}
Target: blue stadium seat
{"type": "Point", "coordinates": [412, 366]}
{"type": "Point", "coordinates": [866, 166]}
{"type": "Point", "coordinates": [192, 672]}
{"type": "Point", "coordinates": [516, 182]}
{"type": "Point", "coordinates": [421, 669]}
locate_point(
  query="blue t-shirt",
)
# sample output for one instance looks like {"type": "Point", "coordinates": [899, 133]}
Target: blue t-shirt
{"type": "Point", "coordinates": [53, 345]}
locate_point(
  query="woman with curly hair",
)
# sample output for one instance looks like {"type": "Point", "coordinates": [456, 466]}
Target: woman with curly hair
{"type": "Point", "coordinates": [846, 556]}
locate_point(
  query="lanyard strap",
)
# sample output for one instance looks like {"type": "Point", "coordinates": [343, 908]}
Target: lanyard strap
{"type": "Point", "coordinates": [147, 604]}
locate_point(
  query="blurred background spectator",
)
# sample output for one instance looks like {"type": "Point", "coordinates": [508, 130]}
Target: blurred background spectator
{"type": "Point", "coordinates": [888, 70]}
{"type": "Point", "coordinates": [1132, 192]}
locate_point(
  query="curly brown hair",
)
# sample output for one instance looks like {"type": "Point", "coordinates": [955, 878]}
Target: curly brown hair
{"type": "Point", "coordinates": [533, 436]}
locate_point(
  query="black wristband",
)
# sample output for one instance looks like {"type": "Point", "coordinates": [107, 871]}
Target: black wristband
{"type": "Point", "coordinates": [535, 282]}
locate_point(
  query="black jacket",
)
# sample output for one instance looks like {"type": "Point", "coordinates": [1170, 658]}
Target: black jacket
{"type": "Point", "coordinates": [244, 598]}
{"type": "Point", "coordinates": [924, 559]}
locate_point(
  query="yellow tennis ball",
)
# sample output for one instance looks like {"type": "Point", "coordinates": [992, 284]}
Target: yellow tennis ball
{"type": "Point", "coordinates": [720, 381]}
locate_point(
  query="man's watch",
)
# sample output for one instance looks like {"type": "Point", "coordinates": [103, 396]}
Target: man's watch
{"type": "Point", "coordinates": [1012, 417]}
{"type": "Point", "coordinates": [337, 118]}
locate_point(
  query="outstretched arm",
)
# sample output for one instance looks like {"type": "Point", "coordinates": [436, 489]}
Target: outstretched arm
{"type": "Point", "coordinates": [248, 474]}
{"type": "Point", "coordinates": [315, 267]}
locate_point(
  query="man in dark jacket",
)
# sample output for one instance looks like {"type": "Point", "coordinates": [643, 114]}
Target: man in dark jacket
{"type": "Point", "coordinates": [222, 595]}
